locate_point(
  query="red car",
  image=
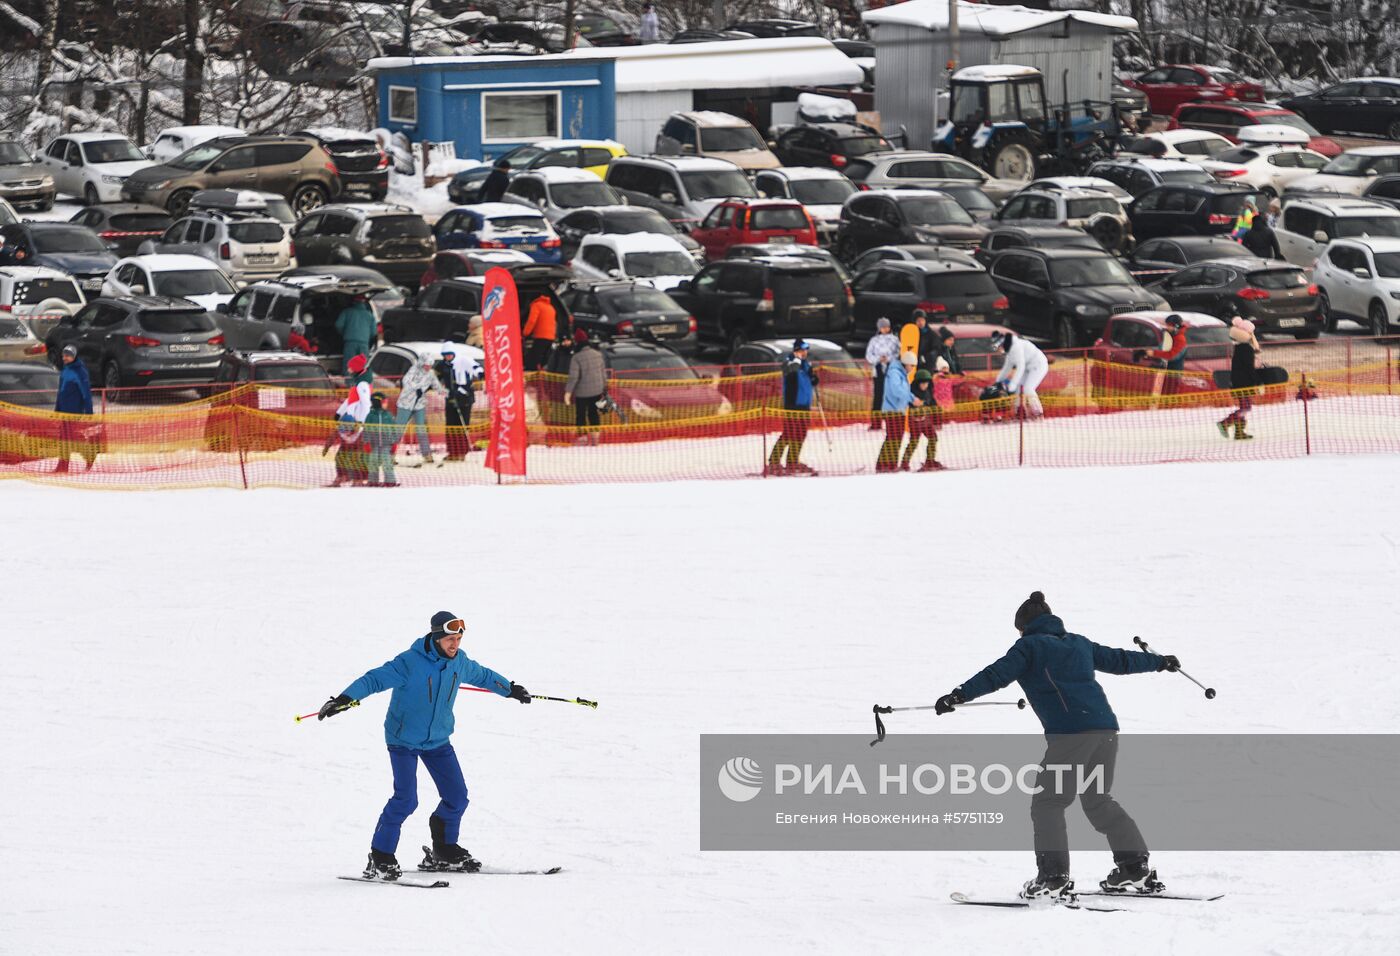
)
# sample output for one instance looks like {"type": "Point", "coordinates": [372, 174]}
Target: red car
{"type": "Point", "coordinates": [1121, 369]}
{"type": "Point", "coordinates": [1227, 118]}
{"type": "Point", "coordinates": [1167, 87]}
{"type": "Point", "coordinates": [736, 221]}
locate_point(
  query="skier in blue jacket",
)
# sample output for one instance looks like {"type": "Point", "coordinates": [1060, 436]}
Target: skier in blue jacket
{"type": "Point", "coordinates": [1056, 672]}
{"type": "Point", "coordinates": [419, 722]}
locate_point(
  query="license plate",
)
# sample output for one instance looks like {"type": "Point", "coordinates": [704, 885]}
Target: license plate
{"type": "Point", "coordinates": [1291, 323]}
{"type": "Point", "coordinates": [975, 317]}
{"type": "Point", "coordinates": [527, 247]}
{"type": "Point", "coordinates": [818, 312]}
{"type": "Point", "coordinates": [91, 284]}
{"type": "Point", "coordinates": [665, 329]}
{"type": "Point", "coordinates": [260, 259]}
{"type": "Point", "coordinates": [780, 239]}
{"type": "Point", "coordinates": [184, 348]}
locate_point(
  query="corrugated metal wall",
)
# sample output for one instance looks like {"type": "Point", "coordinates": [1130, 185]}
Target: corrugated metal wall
{"type": "Point", "coordinates": [640, 115]}
{"type": "Point", "coordinates": [1084, 59]}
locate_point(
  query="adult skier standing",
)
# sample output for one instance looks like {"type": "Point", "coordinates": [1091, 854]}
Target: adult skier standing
{"type": "Point", "coordinates": [417, 726]}
{"type": "Point", "coordinates": [1056, 672]}
{"type": "Point", "coordinates": [1022, 372]}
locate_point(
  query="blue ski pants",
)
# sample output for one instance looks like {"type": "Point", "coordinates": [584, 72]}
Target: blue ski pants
{"type": "Point", "coordinates": [452, 789]}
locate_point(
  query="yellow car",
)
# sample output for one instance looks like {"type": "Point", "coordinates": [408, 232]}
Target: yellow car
{"type": "Point", "coordinates": [590, 154]}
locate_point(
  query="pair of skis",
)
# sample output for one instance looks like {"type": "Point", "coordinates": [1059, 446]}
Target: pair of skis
{"type": "Point", "coordinates": [1092, 906]}
{"type": "Point", "coordinates": [436, 884]}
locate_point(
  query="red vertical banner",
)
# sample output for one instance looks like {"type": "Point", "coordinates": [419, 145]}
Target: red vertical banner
{"type": "Point", "coordinates": [505, 373]}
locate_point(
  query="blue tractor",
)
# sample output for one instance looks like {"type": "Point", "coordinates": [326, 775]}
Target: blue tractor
{"type": "Point", "coordinates": [998, 119]}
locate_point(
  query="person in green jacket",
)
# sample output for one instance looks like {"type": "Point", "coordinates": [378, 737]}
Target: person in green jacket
{"type": "Point", "coordinates": [381, 432]}
{"type": "Point", "coordinates": [357, 326]}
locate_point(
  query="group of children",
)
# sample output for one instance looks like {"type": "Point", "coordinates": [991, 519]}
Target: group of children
{"type": "Point", "coordinates": [914, 401]}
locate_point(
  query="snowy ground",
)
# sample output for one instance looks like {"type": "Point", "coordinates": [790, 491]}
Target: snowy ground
{"type": "Point", "coordinates": [160, 799]}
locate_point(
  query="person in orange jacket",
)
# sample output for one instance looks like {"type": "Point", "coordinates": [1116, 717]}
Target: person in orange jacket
{"type": "Point", "coordinates": [541, 327]}
{"type": "Point", "coordinates": [1175, 356]}
{"type": "Point", "coordinates": [911, 338]}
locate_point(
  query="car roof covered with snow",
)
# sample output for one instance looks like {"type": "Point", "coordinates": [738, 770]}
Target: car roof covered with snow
{"type": "Point", "coordinates": [625, 242]}
{"type": "Point", "coordinates": [170, 261]}
{"type": "Point", "coordinates": [26, 273]}
{"type": "Point", "coordinates": [492, 210]}
{"type": "Point", "coordinates": [93, 137]}
{"type": "Point", "coordinates": [562, 174]}
{"type": "Point", "coordinates": [796, 173]}
{"type": "Point", "coordinates": [1159, 317]}
{"type": "Point", "coordinates": [1376, 243]}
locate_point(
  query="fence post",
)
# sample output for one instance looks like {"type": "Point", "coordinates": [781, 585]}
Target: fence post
{"type": "Point", "coordinates": [763, 442]}
{"type": "Point", "coordinates": [1388, 369]}
{"type": "Point", "coordinates": [1021, 430]}
{"type": "Point", "coordinates": [238, 443]}
{"type": "Point", "coordinates": [1307, 424]}
{"type": "Point", "coordinates": [1348, 364]}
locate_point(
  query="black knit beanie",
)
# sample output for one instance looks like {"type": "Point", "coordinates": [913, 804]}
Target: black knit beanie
{"type": "Point", "coordinates": [1030, 609]}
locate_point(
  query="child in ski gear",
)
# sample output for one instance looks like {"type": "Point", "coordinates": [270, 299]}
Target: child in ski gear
{"type": "Point", "coordinates": [418, 382]}
{"type": "Point", "coordinates": [932, 393]}
{"type": "Point", "coordinates": [455, 373]}
{"type": "Point", "coordinates": [381, 434]}
{"type": "Point", "coordinates": [799, 389]}
{"type": "Point", "coordinates": [1022, 372]}
{"type": "Point", "coordinates": [898, 398]}
{"type": "Point", "coordinates": [1175, 355]}
{"type": "Point", "coordinates": [297, 340]}
{"type": "Point", "coordinates": [1056, 672]}
{"type": "Point", "coordinates": [1243, 377]}
{"type": "Point", "coordinates": [880, 351]}
{"type": "Point", "coordinates": [419, 727]}
{"type": "Point", "coordinates": [351, 463]}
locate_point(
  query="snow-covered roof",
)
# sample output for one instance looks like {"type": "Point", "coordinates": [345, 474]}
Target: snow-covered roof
{"type": "Point", "coordinates": [1191, 319]}
{"type": "Point", "coordinates": [490, 210]}
{"type": "Point", "coordinates": [993, 72]}
{"type": "Point", "coordinates": [95, 137]}
{"type": "Point", "coordinates": [634, 242]}
{"type": "Point", "coordinates": [1173, 136]}
{"type": "Point", "coordinates": [795, 173]}
{"type": "Point", "coordinates": [709, 118]}
{"type": "Point", "coordinates": [22, 273]}
{"type": "Point", "coordinates": [654, 67]}
{"type": "Point", "coordinates": [1273, 133]}
{"type": "Point", "coordinates": [1377, 243]}
{"type": "Point", "coordinates": [207, 132]}
{"type": "Point", "coordinates": [333, 133]}
{"type": "Point", "coordinates": [167, 261]}
{"type": "Point", "coordinates": [988, 20]}
{"type": "Point", "coordinates": [563, 174]}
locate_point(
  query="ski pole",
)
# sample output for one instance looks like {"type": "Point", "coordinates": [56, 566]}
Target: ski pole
{"type": "Point", "coordinates": [1210, 691]}
{"type": "Point", "coordinates": [353, 703]}
{"type": "Point", "coordinates": [880, 724]}
{"type": "Point", "coordinates": [563, 700]}
{"type": "Point", "coordinates": [826, 428]}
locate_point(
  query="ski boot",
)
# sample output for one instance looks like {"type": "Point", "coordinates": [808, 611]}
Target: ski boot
{"type": "Point", "coordinates": [382, 866]}
{"type": "Point", "coordinates": [1049, 890]}
{"type": "Point", "coordinates": [932, 465]}
{"type": "Point", "coordinates": [1136, 877]}
{"type": "Point", "coordinates": [774, 470]}
{"type": "Point", "coordinates": [798, 468]}
{"type": "Point", "coordinates": [443, 855]}
{"type": "Point", "coordinates": [1241, 434]}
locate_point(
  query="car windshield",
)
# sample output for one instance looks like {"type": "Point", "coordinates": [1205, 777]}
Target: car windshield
{"type": "Point", "coordinates": [1214, 249]}
{"type": "Point", "coordinates": [518, 158]}
{"type": "Point", "coordinates": [824, 283]}
{"type": "Point", "coordinates": [1278, 279]}
{"type": "Point", "coordinates": [1207, 334]}
{"type": "Point", "coordinates": [13, 154]}
{"type": "Point", "coordinates": [256, 232]}
{"type": "Point", "coordinates": [1188, 175]}
{"type": "Point", "coordinates": [777, 217]}
{"type": "Point", "coordinates": [399, 227]}
{"type": "Point", "coordinates": [971, 198]}
{"type": "Point", "coordinates": [1087, 271]}
{"type": "Point", "coordinates": [1084, 208]}
{"type": "Point", "coordinates": [296, 372]}
{"type": "Point", "coordinates": [177, 323]}
{"type": "Point", "coordinates": [1223, 75]}
{"type": "Point", "coordinates": [1349, 164]}
{"type": "Point", "coordinates": [1237, 154]}
{"type": "Point", "coordinates": [192, 282]}
{"type": "Point", "coordinates": [576, 195]}
{"type": "Point", "coordinates": [642, 299]}
{"type": "Point", "coordinates": [34, 291]}
{"type": "Point", "coordinates": [1388, 265]}
{"type": "Point", "coordinates": [729, 139]}
{"type": "Point", "coordinates": [662, 366]}
{"type": "Point", "coordinates": [659, 264]}
{"type": "Point", "coordinates": [112, 151]}
{"type": "Point", "coordinates": [34, 386]}
{"type": "Point", "coordinates": [717, 184]}
{"type": "Point", "coordinates": [1208, 146]}
{"type": "Point", "coordinates": [822, 192]}
{"type": "Point", "coordinates": [860, 145]}
{"type": "Point", "coordinates": [637, 220]}
{"type": "Point", "coordinates": [196, 157]}
{"type": "Point", "coordinates": [522, 224]}
{"type": "Point", "coordinates": [933, 211]}
{"type": "Point", "coordinates": [71, 239]}
{"type": "Point", "coordinates": [1354, 227]}
{"type": "Point", "coordinates": [1291, 120]}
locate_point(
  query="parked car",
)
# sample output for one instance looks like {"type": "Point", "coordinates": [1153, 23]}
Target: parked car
{"type": "Point", "coordinates": [261, 315]}
{"type": "Point", "coordinates": [17, 342]}
{"type": "Point", "coordinates": [618, 220]}
{"type": "Point", "coordinates": [39, 295]}
{"type": "Point", "coordinates": [1137, 174]}
{"type": "Point", "coordinates": [75, 250]}
{"type": "Point", "coordinates": [748, 250]}
{"type": "Point", "coordinates": [174, 140]}
{"type": "Point", "coordinates": [296, 168]}
{"type": "Point", "coordinates": [124, 226]}
{"type": "Point", "coordinates": [1359, 279]}
{"type": "Point", "coordinates": [446, 314]}
{"type": "Point", "coordinates": [249, 247]}
{"type": "Point", "coordinates": [93, 167]}
{"type": "Point", "coordinates": [1167, 87]}
{"type": "Point", "coordinates": [1369, 105]}
{"type": "Point", "coordinates": [1270, 157]}
{"type": "Point", "coordinates": [296, 370]}
{"type": "Point", "coordinates": [601, 30]}
{"type": "Point", "coordinates": [1083, 182]}
{"type": "Point", "coordinates": [716, 135]}
{"type": "Point", "coordinates": [7, 214]}
{"type": "Point", "coordinates": [293, 391]}
{"type": "Point", "coordinates": [1274, 295]}
{"type": "Point", "coordinates": [1308, 225]}
{"type": "Point", "coordinates": [888, 217]}
{"type": "Point", "coordinates": [737, 300]}
{"type": "Point", "coordinates": [557, 191]}
{"type": "Point", "coordinates": [390, 362]}
{"type": "Point", "coordinates": [1123, 367]}
{"type": "Point", "coordinates": [23, 180]}
{"type": "Point", "coordinates": [142, 340]}
{"type": "Point", "coordinates": [1067, 294]}
{"type": "Point", "coordinates": [452, 263]}
{"type": "Point", "coordinates": [706, 35]}
{"type": "Point", "coordinates": [593, 155]}
{"type": "Point", "coordinates": [248, 202]}
{"type": "Point", "coordinates": [621, 308]}
{"type": "Point", "coordinates": [657, 384]}
{"type": "Point", "coordinates": [29, 385]}
{"type": "Point", "coordinates": [390, 239]}
{"type": "Point", "coordinates": [822, 191]}
{"type": "Point", "coordinates": [917, 252]}
{"type": "Point", "coordinates": [776, 27]}
{"type": "Point", "coordinates": [1097, 213]}
{"type": "Point", "coordinates": [734, 221]}
{"type": "Point", "coordinates": [184, 276]}
{"type": "Point", "coordinates": [1002, 237]}
{"type": "Point", "coordinates": [1191, 145]}
{"type": "Point", "coordinates": [829, 145]}
{"type": "Point", "coordinates": [1191, 210]}
{"type": "Point", "coordinates": [1157, 258]}
{"type": "Point", "coordinates": [1384, 189]}
{"type": "Point", "coordinates": [682, 188]}
{"type": "Point", "coordinates": [498, 225]}
{"type": "Point", "coordinates": [945, 291]}
{"type": "Point", "coordinates": [1229, 119]}
{"type": "Point", "coordinates": [657, 261]}
{"type": "Point", "coordinates": [767, 355]}
{"type": "Point", "coordinates": [1347, 175]}
{"type": "Point", "coordinates": [924, 170]}
{"type": "Point", "coordinates": [363, 168]}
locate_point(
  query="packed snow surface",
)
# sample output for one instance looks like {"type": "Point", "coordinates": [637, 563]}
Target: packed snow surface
{"type": "Point", "coordinates": [159, 797]}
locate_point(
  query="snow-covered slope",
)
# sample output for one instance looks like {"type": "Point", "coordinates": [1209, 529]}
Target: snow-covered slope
{"type": "Point", "coordinates": [158, 797]}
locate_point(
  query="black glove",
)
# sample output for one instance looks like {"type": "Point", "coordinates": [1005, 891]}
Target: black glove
{"type": "Point", "coordinates": [813, 376]}
{"type": "Point", "coordinates": [1169, 663]}
{"type": "Point", "coordinates": [519, 693]}
{"type": "Point", "coordinates": [1139, 354]}
{"type": "Point", "coordinates": [334, 706]}
{"type": "Point", "coordinates": [948, 702]}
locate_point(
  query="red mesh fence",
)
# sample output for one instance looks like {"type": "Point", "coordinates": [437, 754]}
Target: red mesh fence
{"type": "Point", "coordinates": [1342, 397]}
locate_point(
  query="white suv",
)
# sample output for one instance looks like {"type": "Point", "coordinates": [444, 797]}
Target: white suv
{"type": "Point", "coordinates": [658, 261]}
{"type": "Point", "coordinates": [558, 190]}
{"type": "Point", "coordinates": [41, 295]}
{"type": "Point", "coordinates": [189, 277]}
{"type": "Point", "coordinates": [1348, 174]}
{"type": "Point", "coordinates": [248, 246]}
{"type": "Point", "coordinates": [681, 188]}
{"type": "Point", "coordinates": [1359, 279]}
{"type": "Point", "coordinates": [92, 166]}
{"type": "Point", "coordinates": [1308, 225]}
{"type": "Point", "coordinates": [1095, 211]}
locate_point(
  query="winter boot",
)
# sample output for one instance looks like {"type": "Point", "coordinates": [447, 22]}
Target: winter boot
{"type": "Point", "coordinates": [931, 465]}
{"type": "Point", "coordinates": [382, 866]}
{"type": "Point", "coordinates": [1133, 877]}
{"type": "Point", "coordinates": [1049, 888]}
{"type": "Point", "coordinates": [1224, 426]}
{"type": "Point", "coordinates": [443, 855]}
{"type": "Point", "coordinates": [1240, 433]}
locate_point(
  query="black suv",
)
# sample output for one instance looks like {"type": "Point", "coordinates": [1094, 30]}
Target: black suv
{"type": "Point", "coordinates": [363, 166]}
{"type": "Point", "coordinates": [946, 291]}
{"type": "Point", "coordinates": [611, 309]}
{"type": "Point", "coordinates": [735, 300]}
{"type": "Point", "coordinates": [1002, 238]}
{"type": "Point", "coordinates": [1162, 257]}
{"type": "Point", "coordinates": [832, 145]}
{"type": "Point", "coordinates": [142, 340]}
{"type": "Point", "coordinates": [889, 217]}
{"type": "Point", "coordinates": [443, 310]}
{"type": "Point", "coordinates": [1190, 209]}
{"type": "Point", "coordinates": [393, 240]}
{"type": "Point", "coordinates": [1067, 293]}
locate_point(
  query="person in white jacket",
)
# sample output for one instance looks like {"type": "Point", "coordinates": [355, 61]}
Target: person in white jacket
{"type": "Point", "coordinates": [417, 383]}
{"type": "Point", "coordinates": [880, 351]}
{"type": "Point", "coordinates": [351, 459]}
{"type": "Point", "coordinates": [1022, 372]}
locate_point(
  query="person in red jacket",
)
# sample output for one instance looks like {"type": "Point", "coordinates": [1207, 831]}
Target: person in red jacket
{"type": "Point", "coordinates": [1175, 356]}
{"type": "Point", "coordinates": [297, 340]}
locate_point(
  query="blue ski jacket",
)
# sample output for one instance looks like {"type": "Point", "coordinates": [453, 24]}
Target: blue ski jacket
{"type": "Point", "coordinates": [1056, 671]}
{"type": "Point", "coordinates": [425, 687]}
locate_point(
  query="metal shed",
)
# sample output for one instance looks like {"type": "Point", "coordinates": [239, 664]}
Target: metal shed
{"type": "Point", "coordinates": [1072, 48]}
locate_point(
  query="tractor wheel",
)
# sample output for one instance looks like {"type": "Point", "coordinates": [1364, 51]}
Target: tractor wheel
{"type": "Point", "coordinates": [1011, 156]}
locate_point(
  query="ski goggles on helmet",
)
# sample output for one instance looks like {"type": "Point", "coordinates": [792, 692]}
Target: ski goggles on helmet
{"type": "Point", "coordinates": [454, 628]}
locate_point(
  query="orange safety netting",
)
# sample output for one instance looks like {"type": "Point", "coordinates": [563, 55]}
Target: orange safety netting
{"type": "Point", "coordinates": [721, 426]}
